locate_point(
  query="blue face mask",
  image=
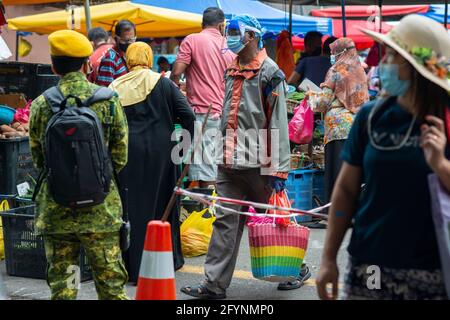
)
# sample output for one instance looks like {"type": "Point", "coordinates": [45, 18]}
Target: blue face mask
{"type": "Point", "coordinates": [333, 59]}
{"type": "Point", "coordinates": [390, 80]}
{"type": "Point", "coordinates": [235, 44]}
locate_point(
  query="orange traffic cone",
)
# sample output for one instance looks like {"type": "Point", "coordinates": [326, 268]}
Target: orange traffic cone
{"type": "Point", "coordinates": [156, 275]}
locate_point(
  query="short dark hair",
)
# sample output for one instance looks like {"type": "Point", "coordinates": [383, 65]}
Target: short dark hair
{"type": "Point", "coordinates": [124, 25]}
{"type": "Point", "coordinates": [326, 45]}
{"type": "Point", "coordinates": [311, 37]}
{"type": "Point", "coordinates": [162, 60]}
{"type": "Point", "coordinates": [212, 16]}
{"type": "Point", "coordinates": [98, 34]}
{"type": "Point", "coordinates": [64, 65]}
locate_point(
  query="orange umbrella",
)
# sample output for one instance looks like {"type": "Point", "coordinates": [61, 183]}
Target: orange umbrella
{"type": "Point", "coordinates": [20, 2]}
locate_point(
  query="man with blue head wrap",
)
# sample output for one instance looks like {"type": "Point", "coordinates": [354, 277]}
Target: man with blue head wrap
{"type": "Point", "coordinates": [236, 29]}
{"type": "Point", "coordinates": [254, 165]}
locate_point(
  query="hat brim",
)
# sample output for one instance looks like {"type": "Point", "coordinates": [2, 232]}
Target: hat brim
{"type": "Point", "coordinates": [385, 39]}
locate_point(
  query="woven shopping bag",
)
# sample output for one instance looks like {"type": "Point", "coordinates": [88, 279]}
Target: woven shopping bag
{"type": "Point", "coordinates": [277, 251]}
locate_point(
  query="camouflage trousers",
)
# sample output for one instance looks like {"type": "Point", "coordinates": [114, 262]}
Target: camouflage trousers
{"type": "Point", "coordinates": [104, 255]}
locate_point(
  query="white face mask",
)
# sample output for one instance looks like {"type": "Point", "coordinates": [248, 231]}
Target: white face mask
{"type": "Point", "coordinates": [333, 59]}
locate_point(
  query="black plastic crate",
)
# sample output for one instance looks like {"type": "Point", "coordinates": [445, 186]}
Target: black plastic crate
{"type": "Point", "coordinates": [25, 251]}
{"type": "Point", "coordinates": [45, 81]}
{"type": "Point", "coordinates": [26, 78]}
{"type": "Point", "coordinates": [16, 165]}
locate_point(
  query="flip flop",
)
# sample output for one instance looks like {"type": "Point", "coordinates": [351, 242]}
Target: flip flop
{"type": "Point", "coordinates": [201, 292]}
{"type": "Point", "coordinates": [305, 274]}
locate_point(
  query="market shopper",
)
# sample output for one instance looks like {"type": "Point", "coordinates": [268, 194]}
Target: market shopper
{"type": "Point", "coordinates": [313, 45]}
{"type": "Point", "coordinates": [245, 78]}
{"type": "Point", "coordinates": [203, 58]}
{"type": "Point", "coordinates": [95, 228]}
{"type": "Point", "coordinates": [313, 68]}
{"type": "Point", "coordinates": [99, 39]}
{"type": "Point", "coordinates": [152, 104]}
{"type": "Point", "coordinates": [344, 91]}
{"type": "Point", "coordinates": [164, 67]}
{"type": "Point", "coordinates": [394, 144]}
{"type": "Point", "coordinates": [113, 65]}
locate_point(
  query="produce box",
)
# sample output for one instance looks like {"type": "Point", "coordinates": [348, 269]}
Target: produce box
{"type": "Point", "coordinates": [25, 251]}
{"type": "Point", "coordinates": [13, 100]}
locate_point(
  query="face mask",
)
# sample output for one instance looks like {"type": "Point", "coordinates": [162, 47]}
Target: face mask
{"type": "Point", "coordinates": [390, 80]}
{"type": "Point", "coordinates": [333, 59]}
{"type": "Point", "coordinates": [235, 44]}
{"type": "Point", "coordinates": [123, 47]}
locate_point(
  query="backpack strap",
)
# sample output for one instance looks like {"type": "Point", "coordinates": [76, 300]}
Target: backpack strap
{"type": "Point", "coordinates": [277, 78]}
{"type": "Point", "coordinates": [54, 97]}
{"type": "Point", "coordinates": [100, 94]}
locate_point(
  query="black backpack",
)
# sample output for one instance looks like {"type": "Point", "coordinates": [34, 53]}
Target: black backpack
{"type": "Point", "coordinates": [77, 163]}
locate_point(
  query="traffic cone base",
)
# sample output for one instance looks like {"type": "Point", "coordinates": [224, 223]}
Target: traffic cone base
{"type": "Point", "coordinates": [156, 275]}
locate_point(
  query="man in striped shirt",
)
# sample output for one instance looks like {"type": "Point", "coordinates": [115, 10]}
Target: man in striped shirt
{"type": "Point", "coordinates": [113, 64]}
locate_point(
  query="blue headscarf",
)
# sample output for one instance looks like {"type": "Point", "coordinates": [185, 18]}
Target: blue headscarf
{"type": "Point", "coordinates": [252, 22]}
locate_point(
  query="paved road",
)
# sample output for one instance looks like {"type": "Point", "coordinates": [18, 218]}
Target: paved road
{"type": "Point", "coordinates": [243, 287]}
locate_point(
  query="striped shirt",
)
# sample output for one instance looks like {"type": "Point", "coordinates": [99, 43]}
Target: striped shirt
{"type": "Point", "coordinates": [111, 67]}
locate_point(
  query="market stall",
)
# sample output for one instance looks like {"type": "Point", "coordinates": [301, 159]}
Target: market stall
{"type": "Point", "coordinates": [366, 11]}
{"type": "Point", "coordinates": [271, 19]}
{"type": "Point", "coordinates": [354, 32]}
{"type": "Point", "coordinates": [150, 21]}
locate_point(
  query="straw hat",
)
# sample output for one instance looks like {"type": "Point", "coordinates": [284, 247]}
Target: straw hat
{"type": "Point", "coordinates": [424, 43]}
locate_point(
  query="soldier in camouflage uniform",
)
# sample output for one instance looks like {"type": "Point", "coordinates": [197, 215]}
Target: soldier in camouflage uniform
{"type": "Point", "coordinates": [95, 228]}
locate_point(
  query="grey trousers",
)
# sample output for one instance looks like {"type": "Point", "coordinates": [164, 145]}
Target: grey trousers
{"type": "Point", "coordinates": [228, 228]}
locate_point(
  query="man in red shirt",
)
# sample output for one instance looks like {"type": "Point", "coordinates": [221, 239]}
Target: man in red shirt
{"type": "Point", "coordinates": [113, 64]}
{"type": "Point", "coordinates": [100, 41]}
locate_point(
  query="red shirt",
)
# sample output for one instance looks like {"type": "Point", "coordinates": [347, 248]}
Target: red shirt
{"type": "Point", "coordinates": [111, 67]}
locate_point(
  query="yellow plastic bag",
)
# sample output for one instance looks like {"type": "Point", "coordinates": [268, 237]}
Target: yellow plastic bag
{"type": "Point", "coordinates": [4, 206]}
{"type": "Point", "coordinates": [196, 232]}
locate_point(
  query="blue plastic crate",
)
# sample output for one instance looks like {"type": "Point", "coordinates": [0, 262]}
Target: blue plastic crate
{"type": "Point", "coordinates": [319, 186]}
{"type": "Point", "coordinates": [299, 186]}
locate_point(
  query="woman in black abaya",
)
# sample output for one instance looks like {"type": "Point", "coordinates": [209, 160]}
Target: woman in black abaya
{"type": "Point", "coordinates": [152, 105]}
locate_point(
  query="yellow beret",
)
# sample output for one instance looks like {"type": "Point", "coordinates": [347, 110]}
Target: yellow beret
{"type": "Point", "coordinates": [69, 43]}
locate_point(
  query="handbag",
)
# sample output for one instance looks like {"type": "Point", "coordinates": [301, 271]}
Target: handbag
{"type": "Point", "coordinates": [277, 251]}
{"type": "Point", "coordinates": [301, 126]}
{"type": "Point", "coordinates": [440, 208]}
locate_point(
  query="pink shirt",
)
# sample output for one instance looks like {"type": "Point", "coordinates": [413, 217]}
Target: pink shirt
{"type": "Point", "coordinates": [203, 53]}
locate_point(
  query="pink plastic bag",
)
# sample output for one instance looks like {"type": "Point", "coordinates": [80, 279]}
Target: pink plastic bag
{"type": "Point", "coordinates": [301, 126]}
{"type": "Point", "coordinates": [256, 220]}
{"type": "Point", "coordinates": [22, 115]}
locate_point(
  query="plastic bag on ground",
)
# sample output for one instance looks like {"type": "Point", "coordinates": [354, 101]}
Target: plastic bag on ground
{"type": "Point", "coordinates": [196, 232]}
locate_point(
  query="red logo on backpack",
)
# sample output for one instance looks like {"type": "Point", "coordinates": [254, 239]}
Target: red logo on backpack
{"type": "Point", "coordinates": [71, 131]}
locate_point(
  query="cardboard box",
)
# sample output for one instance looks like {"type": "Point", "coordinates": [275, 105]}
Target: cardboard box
{"type": "Point", "coordinates": [13, 100]}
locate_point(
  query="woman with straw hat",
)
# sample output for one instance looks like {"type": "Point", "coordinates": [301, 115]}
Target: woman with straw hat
{"type": "Point", "coordinates": [394, 144]}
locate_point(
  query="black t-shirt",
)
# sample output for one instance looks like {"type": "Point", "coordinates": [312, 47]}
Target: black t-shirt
{"type": "Point", "coordinates": [393, 222]}
{"type": "Point", "coordinates": [313, 68]}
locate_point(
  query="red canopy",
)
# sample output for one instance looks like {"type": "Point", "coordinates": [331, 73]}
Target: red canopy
{"type": "Point", "coordinates": [367, 11]}
{"type": "Point", "coordinates": [361, 40]}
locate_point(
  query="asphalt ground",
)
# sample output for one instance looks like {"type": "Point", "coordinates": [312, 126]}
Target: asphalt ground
{"type": "Point", "coordinates": [243, 286]}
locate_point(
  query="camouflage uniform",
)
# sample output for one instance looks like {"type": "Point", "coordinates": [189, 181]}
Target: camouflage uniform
{"type": "Point", "coordinates": [96, 228]}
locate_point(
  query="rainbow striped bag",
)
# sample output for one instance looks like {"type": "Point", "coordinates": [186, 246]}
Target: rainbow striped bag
{"type": "Point", "coordinates": [277, 252]}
